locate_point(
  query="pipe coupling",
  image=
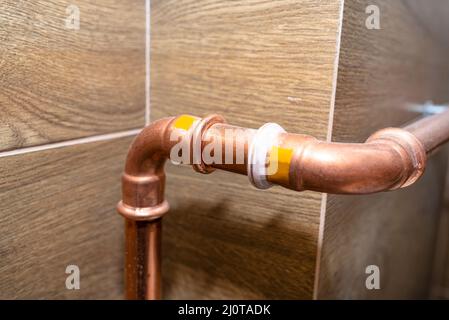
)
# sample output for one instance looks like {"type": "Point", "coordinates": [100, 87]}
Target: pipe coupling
{"type": "Point", "coordinates": [143, 214]}
{"type": "Point", "coordinates": [198, 132]}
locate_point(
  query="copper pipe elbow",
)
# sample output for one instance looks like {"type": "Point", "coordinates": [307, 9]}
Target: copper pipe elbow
{"type": "Point", "coordinates": [390, 159]}
{"type": "Point", "coordinates": [143, 206]}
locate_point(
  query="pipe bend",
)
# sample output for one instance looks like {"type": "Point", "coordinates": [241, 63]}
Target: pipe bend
{"type": "Point", "coordinates": [150, 149]}
{"type": "Point", "coordinates": [143, 181]}
{"type": "Point", "coordinates": [390, 159]}
{"type": "Point", "coordinates": [143, 206]}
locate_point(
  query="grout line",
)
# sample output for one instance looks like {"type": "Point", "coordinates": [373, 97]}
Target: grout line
{"type": "Point", "coordinates": [335, 75]}
{"type": "Point", "coordinates": [329, 139]}
{"type": "Point", "coordinates": [68, 143]}
{"type": "Point", "coordinates": [147, 61]}
{"type": "Point", "coordinates": [323, 209]}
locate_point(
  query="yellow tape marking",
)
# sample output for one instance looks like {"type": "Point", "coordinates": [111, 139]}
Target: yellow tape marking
{"type": "Point", "coordinates": [185, 122]}
{"type": "Point", "coordinates": [279, 164]}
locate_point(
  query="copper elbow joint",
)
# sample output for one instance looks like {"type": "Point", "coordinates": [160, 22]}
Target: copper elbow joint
{"type": "Point", "coordinates": [390, 159]}
{"type": "Point", "coordinates": [143, 204]}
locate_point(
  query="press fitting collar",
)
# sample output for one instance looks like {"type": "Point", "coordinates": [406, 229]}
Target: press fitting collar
{"type": "Point", "coordinates": [264, 139]}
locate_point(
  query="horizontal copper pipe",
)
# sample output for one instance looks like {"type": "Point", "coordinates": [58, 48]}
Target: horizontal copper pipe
{"type": "Point", "coordinates": [432, 131]}
{"type": "Point", "coordinates": [391, 158]}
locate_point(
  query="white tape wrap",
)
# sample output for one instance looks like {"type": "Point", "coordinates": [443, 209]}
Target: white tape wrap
{"type": "Point", "coordinates": [264, 139]}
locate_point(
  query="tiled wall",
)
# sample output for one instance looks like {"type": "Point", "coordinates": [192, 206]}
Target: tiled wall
{"type": "Point", "coordinates": [70, 101]}
{"type": "Point", "coordinates": [440, 279]}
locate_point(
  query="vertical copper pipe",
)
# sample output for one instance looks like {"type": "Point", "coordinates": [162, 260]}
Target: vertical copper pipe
{"type": "Point", "coordinates": [143, 206]}
{"type": "Point", "coordinates": [154, 260]}
{"type": "Point", "coordinates": [143, 259]}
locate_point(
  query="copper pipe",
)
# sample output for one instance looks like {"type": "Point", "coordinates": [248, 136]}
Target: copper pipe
{"type": "Point", "coordinates": [391, 158]}
{"type": "Point", "coordinates": [432, 131]}
{"type": "Point", "coordinates": [233, 140]}
{"type": "Point", "coordinates": [143, 262]}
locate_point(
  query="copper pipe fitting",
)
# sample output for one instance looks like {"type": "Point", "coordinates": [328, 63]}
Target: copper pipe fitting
{"type": "Point", "coordinates": [391, 158]}
{"type": "Point", "coordinates": [143, 206]}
